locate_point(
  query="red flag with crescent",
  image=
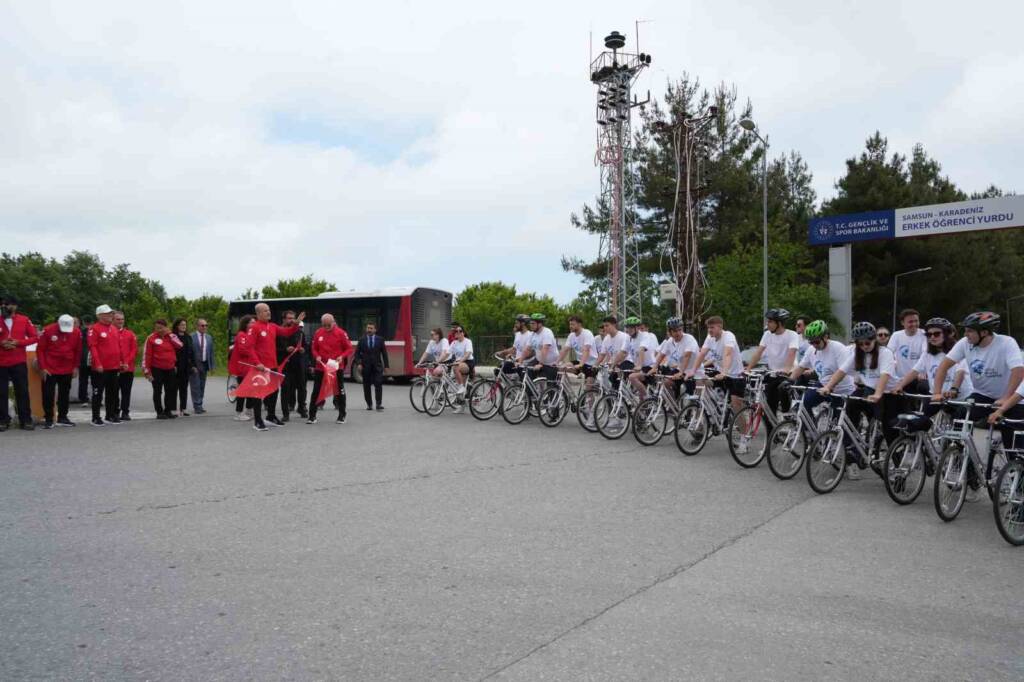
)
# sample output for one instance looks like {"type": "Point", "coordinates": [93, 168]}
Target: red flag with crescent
{"type": "Point", "coordinates": [329, 386]}
{"type": "Point", "coordinates": [259, 384]}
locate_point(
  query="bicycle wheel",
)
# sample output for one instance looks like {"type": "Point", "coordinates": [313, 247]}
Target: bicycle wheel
{"type": "Point", "coordinates": [554, 405]}
{"type": "Point", "coordinates": [612, 417]}
{"type": "Point", "coordinates": [515, 404]}
{"type": "Point", "coordinates": [1008, 506]}
{"type": "Point", "coordinates": [748, 437]}
{"type": "Point", "coordinates": [950, 490]}
{"type": "Point", "coordinates": [485, 399]}
{"type": "Point", "coordinates": [416, 393]}
{"type": "Point", "coordinates": [232, 388]}
{"type": "Point", "coordinates": [826, 462]}
{"type": "Point", "coordinates": [787, 448]}
{"type": "Point", "coordinates": [692, 430]}
{"type": "Point", "coordinates": [649, 421]}
{"type": "Point", "coordinates": [434, 398]}
{"type": "Point", "coordinates": [585, 408]}
{"type": "Point", "coordinates": [903, 469]}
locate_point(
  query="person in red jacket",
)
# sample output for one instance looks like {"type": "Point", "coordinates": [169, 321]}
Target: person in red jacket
{"type": "Point", "coordinates": [243, 351]}
{"type": "Point", "coordinates": [58, 353]}
{"type": "Point", "coordinates": [105, 351]}
{"type": "Point", "coordinates": [264, 335]}
{"type": "Point", "coordinates": [330, 343]}
{"type": "Point", "coordinates": [16, 332]}
{"type": "Point", "coordinates": [159, 365]}
{"type": "Point", "coordinates": [126, 377]}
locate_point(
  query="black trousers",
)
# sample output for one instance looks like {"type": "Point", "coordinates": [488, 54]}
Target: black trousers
{"type": "Point", "coordinates": [339, 395]}
{"type": "Point", "coordinates": [270, 402]}
{"type": "Point", "coordinates": [241, 403]}
{"type": "Point", "coordinates": [181, 383]}
{"type": "Point", "coordinates": [105, 392]}
{"type": "Point", "coordinates": [773, 396]}
{"type": "Point", "coordinates": [84, 374]}
{"type": "Point", "coordinates": [293, 390]}
{"type": "Point", "coordinates": [61, 385]}
{"type": "Point", "coordinates": [373, 375]}
{"type": "Point", "coordinates": [124, 385]}
{"type": "Point", "coordinates": [17, 375]}
{"type": "Point", "coordinates": [165, 389]}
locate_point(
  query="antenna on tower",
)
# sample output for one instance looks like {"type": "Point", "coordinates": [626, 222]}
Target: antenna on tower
{"type": "Point", "coordinates": [614, 73]}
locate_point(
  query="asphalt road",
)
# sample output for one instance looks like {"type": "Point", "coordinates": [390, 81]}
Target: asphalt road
{"type": "Point", "coordinates": [398, 546]}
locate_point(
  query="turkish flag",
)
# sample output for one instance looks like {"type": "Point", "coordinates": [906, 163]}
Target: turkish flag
{"type": "Point", "coordinates": [259, 384]}
{"type": "Point", "coordinates": [329, 386]}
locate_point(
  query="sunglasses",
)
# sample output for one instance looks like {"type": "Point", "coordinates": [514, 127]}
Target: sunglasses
{"type": "Point", "coordinates": [934, 334]}
{"type": "Point", "coordinates": [883, 335]}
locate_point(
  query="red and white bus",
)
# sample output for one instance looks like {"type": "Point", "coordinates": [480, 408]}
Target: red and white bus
{"type": "Point", "coordinates": [404, 317]}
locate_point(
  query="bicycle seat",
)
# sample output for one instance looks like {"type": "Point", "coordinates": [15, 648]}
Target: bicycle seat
{"type": "Point", "coordinates": [913, 422]}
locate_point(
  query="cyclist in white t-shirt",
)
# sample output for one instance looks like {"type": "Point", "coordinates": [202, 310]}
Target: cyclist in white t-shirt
{"type": "Point", "coordinates": [909, 344]}
{"type": "Point", "coordinates": [543, 349]}
{"type": "Point", "coordinates": [437, 346]}
{"type": "Point", "coordinates": [641, 351]}
{"type": "Point", "coordinates": [779, 347]}
{"type": "Point", "coordinates": [675, 356]}
{"type": "Point", "coordinates": [584, 348]}
{"type": "Point", "coordinates": [615, 349]}
{"type": "Point", "coordinates": [520, 342]}
{"type": "Point", "coordinates": [460, 355]}
{"type": "Point", "coordinates": [941, 335]}
{"type": "Point", "coordinates": [722, 352]}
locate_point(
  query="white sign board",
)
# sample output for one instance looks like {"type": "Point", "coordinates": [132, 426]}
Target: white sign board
{"type": "Point", "coordinates": [962, 216]}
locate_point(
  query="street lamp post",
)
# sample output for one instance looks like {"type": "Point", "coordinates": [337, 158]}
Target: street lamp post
{"type": "Point", "coordinates": [895, 285]}
{"type": "Point", "coordinates": [1009, 325]}
{"type": "Point", "coordinates": [751, 127]}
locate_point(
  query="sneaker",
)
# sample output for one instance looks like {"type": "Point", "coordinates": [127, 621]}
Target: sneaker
{"type": "Point", "coordinates": [339, 420]}
{"type": "Point", "coordinates": [112, 420]}
{"type": "Point", "coordinates": [311, 420]}
{"type": "Point", "coordinates": [48, 425]}
{"type": "Point", "coordinates": [183, 413]}
{"type": "Point", "coordinates": [248, 414]}
{"type": "Point", "coordinates": [303, 414]}
{"type": "Point", "coordinates": [98, 422]}
{"type": "Point", "coordinates": [239, 417]}
{"type": "Point", "coordinates": [974, 494]}
{"type": "Point", "coordinates": [170, 415]}
{"type": "Point", "coordinates": [199, 410]}
{"type": "Point", "coordinates": [459, 409]}
{"type": "Point", "coordinates": [125, 418]}
{"type": "Point", "coordinates": [274, 421]}
{"type": "Point", "coordinates": [853, 472]}
{"type": "Point", "coordinates": [286, 418]}
{"type": "Point", "coordinates": [380, 408]}
{"type": "Point", "coordinates": [28, 426]}
{"type": "Point", "coordinates": [369, 408]}
{"type": "Point", "coordinates": [64, 421]}
{"type": "Point", "coordinates": [162, 416]}
{"type": "Point", "coordinates": [260, 426]}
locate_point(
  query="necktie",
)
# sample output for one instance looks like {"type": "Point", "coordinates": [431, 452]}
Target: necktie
{"type": "Point", "coordinates": [202, 346]}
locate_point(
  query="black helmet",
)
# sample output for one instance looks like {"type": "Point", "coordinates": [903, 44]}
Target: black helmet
{"type": "Point", "coordinates": [522, 317]}
{"type": "Point", "coordinates": [777, 315]}
{"type": "Point", "coordinates": [674, 323]}
{"type": "Point", "coordinates": [940, 323]}
{"type": "Point", "coordinates": [981, 320]}
{"type": "Point", "coordinates": [863, 331]}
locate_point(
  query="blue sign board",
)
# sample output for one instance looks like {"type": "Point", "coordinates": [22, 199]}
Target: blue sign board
{"type": "Point", "coordinates": [852, 227]}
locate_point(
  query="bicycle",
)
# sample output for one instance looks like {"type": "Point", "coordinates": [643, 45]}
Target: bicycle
{"type": "Point", "coordinates": [952, 478]}
{"type": "Point", "coordinates": [523, 399]}
{"type": "Point", "coordinates": [419, 385]}
{"type": "Point", "coordinates": [442, 392]}
{"type": "Point", "coordinates": [913, 456]}
{"type": "Point", "coordinates": [787, 445]}
{"type": "Point", "coordinates": [232, 388]}
{"type": "Point", "coordinates": [590, 396]}
{"type": "Point", "coordinates": [1008, 495]}
{"type": "Point", "coordinates": [826, 459]}
{"type": "Point", "coordinates": [706, 414]}
{"type": "Point", "coordinates": [485, 399]}
{"type": "Point", "coordinates": [651, 416]}
{"type": "Point", "coordinates": [753, 424]}
{"type": "Point", "coordinates": [613, 412]}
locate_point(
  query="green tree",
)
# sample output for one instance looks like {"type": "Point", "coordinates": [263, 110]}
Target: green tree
{"type": "Point", "coordinates": [305, 286]}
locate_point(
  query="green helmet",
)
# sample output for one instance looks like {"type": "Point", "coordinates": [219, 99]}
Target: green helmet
{"type": "Point", "coordinates": [815, 330]}
{"type": "Point", "coordinates": [632, 321]}
{"type": "Point", "coordinates": [538, 317]}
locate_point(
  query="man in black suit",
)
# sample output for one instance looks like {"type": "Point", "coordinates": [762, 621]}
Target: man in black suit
{"type": "Point", "coordinates": [373, 355]}
{"type": "Point", "coordinates": [293, 390]}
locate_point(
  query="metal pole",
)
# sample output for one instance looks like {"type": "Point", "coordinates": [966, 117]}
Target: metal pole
{"type": "Point", "coordinates": [764, 183]}
{"type": "Point", "coordinates": [895, 284]}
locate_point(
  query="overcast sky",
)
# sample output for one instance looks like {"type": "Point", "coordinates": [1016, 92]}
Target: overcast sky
{"type": "Point", "coordinates": [221, 145]}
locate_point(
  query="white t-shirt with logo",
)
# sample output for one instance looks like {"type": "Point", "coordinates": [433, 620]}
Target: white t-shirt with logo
{"type": "Point", "coordinates": [869, 376]}
{"type": "Point", "coordinates": [989, 368]}
{"type": "Point", "coordinates": [437, 349]}
{"type": "Point", "coordinates": [716, 353]}
{"type": "Point", "coordinates": [613, 345]}
{"type": "Point", "coordinates": [907, 350]}
{"type": "Point", "coordinates": [777, 346]}
{"type": "Point", "coordinates": [802, 350]}
{"type": "Point", "coordinates": [825, 361]}
{"type": "Point", "coordinates": [537, 342]}
{"type": "Point", "coordinates": [521, 343]}
{"type": "Point", "coordinates": [928, 366]}
{"type": "Point", "coordinates": [461, 350]}
{"type": "Point", "coordinates": [580, 341]}
{"type": "Point", "coordinates": [675, 350]}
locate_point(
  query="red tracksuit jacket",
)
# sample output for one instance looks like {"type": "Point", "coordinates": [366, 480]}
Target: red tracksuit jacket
{"type": "Point", "coordinates": [129, 348]}
{"type": "Point", "coordinates": [264, 336]}
{"type": "Point", "coordinates": [244, 350]}
{"type": "Point", "coordinates": [59, 352]}
{"type": "Point", "coordinates": [105, 347]}
{"type": "Point", "coordinates": [24, 334]}
{"type": "Point", "coordinates": [330, 345]}
{"type": "Point", "coordinates": [160, 352]}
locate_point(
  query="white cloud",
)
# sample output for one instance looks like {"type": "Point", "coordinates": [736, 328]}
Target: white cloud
{"type": "Point", "coordinates": [141, 132]}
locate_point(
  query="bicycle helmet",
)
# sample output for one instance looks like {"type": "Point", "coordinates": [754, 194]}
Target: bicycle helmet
{"type": "Point", "coordinates": [522, 318]}
{"type": "Point", "coordinates": [674, 323]}
{"type": "Point", "coordinates": [862, 331]}
{"type": "Point", "coordinates": [815, 330]}
{"type": "Point", "coordinates": [632, 321]}
{"type": "Point", "coordinates": [981, 320]}
{"type": "Point", "coordinates": [538, 317]}
{"type": "Point", "coordinates": [940, 323]}
{"type": "Point", "coordinates": [777, 315]}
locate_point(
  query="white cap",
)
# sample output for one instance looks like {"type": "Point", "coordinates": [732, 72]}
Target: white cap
{"type": "Point", "coordinates": [66, 323]}
{"type": "Point", "coordinates": [103, 309]}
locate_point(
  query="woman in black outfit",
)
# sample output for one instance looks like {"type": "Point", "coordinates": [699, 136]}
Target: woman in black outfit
{"type": "Point", "coordinates": [186, 363]}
